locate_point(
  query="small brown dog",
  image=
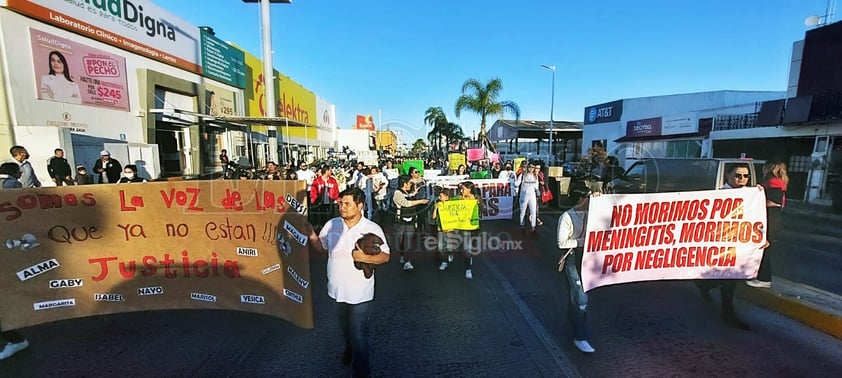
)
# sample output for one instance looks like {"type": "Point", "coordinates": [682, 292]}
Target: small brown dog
{"type": "Point", "coordinates": [370, 245]}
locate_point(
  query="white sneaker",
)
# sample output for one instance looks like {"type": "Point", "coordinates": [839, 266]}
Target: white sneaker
{"type": "Point", "coordinates": [450, 258]}
{"type": "Point", "coordinates": [468, 274]}
{"type": "Point", "coordinates": [11, 348]}
{"type": "Point", "coordinates": [443, 265]}
{"type": "Point", "coordinates": [584, 346]}
{"type": "Point", "coordinates": [402, 260]}
{"type": "Point", "coordinates": [407, 266]}
{"type": "Point", "coordinates": [759, 283]}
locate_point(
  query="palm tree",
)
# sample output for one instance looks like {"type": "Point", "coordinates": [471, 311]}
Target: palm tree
{"type": "Point", "coordinates": [435, 117]}
{"type": "Point", "coordinates": [482, 99]}
{"type": "Point", "coordinates": [452, 132]}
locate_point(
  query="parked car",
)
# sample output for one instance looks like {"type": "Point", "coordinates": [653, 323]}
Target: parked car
{"type": "Point", "coordinates": [656, 175]}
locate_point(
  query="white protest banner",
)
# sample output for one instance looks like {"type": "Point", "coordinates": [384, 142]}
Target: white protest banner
{"type": "Point", "coordinates": [496, 194]}
{"type": "Point", "coordinates": [685, 235]}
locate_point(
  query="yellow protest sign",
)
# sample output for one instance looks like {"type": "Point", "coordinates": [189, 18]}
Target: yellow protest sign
{"type": "Point", "coordinates": [517, 163]}
{"type": "Point", "coordinates": [456, 160]}
{"type": "Point", "coordinates": [459, 215]}
{"type": "Point", "coordinates": [100, 249]}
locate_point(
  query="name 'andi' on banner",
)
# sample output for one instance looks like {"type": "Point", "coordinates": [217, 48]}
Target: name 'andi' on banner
{"type": "Point", "coordinates": [714, 234]}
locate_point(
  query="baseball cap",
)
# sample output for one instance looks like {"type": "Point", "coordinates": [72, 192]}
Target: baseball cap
{"type": "Point", "coordinates": [104, 153]}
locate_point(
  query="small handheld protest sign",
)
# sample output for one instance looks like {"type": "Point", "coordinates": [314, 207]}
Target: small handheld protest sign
{"type": "Point", "coordinates": [475, 154]}
{"type": "Point", "coordinates": [414, 163]}
{"type": "Point", "coordinates": [459, 215]}
{"type": "Point", "coordinates": [455, 160]}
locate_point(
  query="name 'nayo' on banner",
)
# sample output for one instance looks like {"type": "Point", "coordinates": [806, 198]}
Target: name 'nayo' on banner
{"type": "Point", "coordinates": [686, 235]}
{"type": "Point", "coordinates": [99, 249]}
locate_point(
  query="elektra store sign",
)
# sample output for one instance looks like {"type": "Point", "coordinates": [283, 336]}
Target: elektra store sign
{"type": "Point", "coordinates": [138, 26]}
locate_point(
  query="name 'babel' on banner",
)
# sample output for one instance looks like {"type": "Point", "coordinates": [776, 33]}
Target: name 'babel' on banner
{"type": "Point", "coordinates": [99, 249]}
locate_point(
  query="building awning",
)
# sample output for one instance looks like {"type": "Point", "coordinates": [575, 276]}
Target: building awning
{"type": "Point", "coordinates": [236, 121]}
{"type": "Point", "coordinates": [267, 121]}
{"type": "Point", "coordinates": [649, 138]}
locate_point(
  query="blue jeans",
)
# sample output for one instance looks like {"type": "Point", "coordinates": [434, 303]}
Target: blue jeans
{"type": "Point", "coordinates": [353, 318]}
{"type": "Point", "coordinates": [577, 309]}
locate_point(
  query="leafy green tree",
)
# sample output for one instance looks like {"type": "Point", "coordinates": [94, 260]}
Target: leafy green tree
{"type": "Point", "coordinates": [453, 132]}
{"type": "Point", "coordinates": [482, 99]}
{"type": "Point", "coordinates": [419, 146]}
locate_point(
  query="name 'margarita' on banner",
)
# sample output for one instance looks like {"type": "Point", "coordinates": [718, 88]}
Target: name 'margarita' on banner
{"type": "Point", "coordinates": [714, 234]}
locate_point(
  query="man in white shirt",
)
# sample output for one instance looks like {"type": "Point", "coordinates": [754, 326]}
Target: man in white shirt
{"type": "Point", "coordinates": [358, 178]}
{"type": "Point", "coordinates": [305, 174]}
{"type": "Point", "coordinates": [346, 284]}
{"type": "Point", "coordinates": [381, 188]}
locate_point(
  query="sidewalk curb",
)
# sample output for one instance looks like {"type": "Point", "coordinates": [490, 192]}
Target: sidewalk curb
{"type": "Point", "coordinates": [795, 308]}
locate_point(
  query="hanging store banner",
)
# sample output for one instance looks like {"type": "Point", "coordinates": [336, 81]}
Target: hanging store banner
{"type": "Point", "coordinates": [74, 73]}
{"type": "Point", "coordinates": [680, 124]}
{"type": "Point", "coordinates": [714, 234]}
{"type": "Point", "coordinates": [138, 26]}
{"type": "Point", "coordinates": [220, 102]}
{"type": "Point", "coordinates": [222, 61]}
{"type": "Point", "coordinates": [99, 249]}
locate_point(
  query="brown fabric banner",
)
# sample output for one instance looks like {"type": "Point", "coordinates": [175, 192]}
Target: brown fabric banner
{"type": "Point", "coordinates": [98, 249]}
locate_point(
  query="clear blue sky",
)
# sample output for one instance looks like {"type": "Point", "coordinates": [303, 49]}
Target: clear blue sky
{"type": "Point", "coordinates": [402, 57]}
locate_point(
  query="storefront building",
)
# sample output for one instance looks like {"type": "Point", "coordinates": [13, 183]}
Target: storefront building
{"type": "Point", "coordinates": [162, 94]}
{"type": "Point", "coordinates": [805, 129]}
{"type": "Point", "coordinates": [677, 126]}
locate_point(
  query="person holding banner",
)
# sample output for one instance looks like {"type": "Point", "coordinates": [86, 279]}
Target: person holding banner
{"type": "Point", "coordinates": [571, 241]}
{"type": "Point", "coordinates": [445, 237]}
{"type": "Point", "coordinates": [323, 193]}
{"type": "Point", "coordinates": [529, 188]}
{"type": "Point", "coordinates": [461, 170]}
{"type": "Point", "coordinates": [347, 285]}
{"type": "Point", "coordinates": [471, 192]}
{"type": "Point", "coordinates": [774, 184]}
{"type": "Point", "coordinates": [738, 177]}
{"type": "Point", "coordinates": [406, 217]}
{"type": "Point", "coordinates": [381, 186]}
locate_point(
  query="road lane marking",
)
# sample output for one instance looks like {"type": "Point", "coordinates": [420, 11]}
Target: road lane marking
{"type": "Point", "coordinates": [566, 367]}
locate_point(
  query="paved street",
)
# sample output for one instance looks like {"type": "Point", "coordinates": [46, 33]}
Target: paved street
{"type": "Point", "coordinates": [508, 321]}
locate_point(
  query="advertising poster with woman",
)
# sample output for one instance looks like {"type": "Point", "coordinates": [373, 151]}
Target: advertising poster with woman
{"type": "Point", "coordinates": [70, 72]}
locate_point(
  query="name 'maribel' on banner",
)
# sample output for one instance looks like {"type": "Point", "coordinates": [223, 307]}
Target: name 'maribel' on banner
{"type": "Point", "coordinates": [715, 234]}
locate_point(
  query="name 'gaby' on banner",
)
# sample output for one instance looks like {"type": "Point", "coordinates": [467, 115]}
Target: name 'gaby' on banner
{"type": "Point", "coordinates": [715, 234]}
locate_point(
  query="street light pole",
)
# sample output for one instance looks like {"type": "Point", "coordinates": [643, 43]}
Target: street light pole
{"type": "Point", "coordinates": [268, 74]}
{"type": "Point", "coordinates": [552, 107]}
